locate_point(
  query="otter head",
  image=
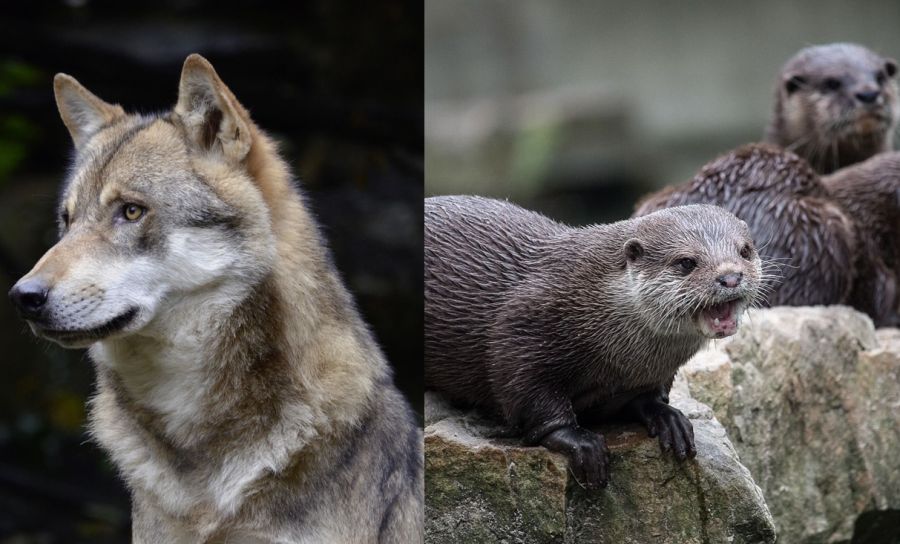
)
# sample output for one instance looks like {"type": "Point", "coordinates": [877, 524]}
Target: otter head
{"type": "Point", "coordinates": [835, 105]}
{"type": "Point", "coordinates": [692, 270]}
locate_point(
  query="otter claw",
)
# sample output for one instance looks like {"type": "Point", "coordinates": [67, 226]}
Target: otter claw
{"type": "Point", "coordinates": [587, 453]}
{"type": "Point", "coordinates": [677, 432]}
{"type": "Point", "coordinates": [674, 429]}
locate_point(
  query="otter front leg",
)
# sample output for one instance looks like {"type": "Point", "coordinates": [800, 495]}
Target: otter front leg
{"type": "Point", "coordinates": [587, 453]}
{"type": "Point", "coordinates": [675, 431]}
{"type": "Point", "coordinates": [549, 420]}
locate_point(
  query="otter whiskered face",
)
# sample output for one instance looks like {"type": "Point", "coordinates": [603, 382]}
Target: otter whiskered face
{"type": "Point", "coordinates": [700, 274]}
{"type": "Point", "coordinates": [838, 99]}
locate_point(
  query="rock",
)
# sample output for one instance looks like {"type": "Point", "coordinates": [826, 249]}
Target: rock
{"type": "Point", "coordinates": [482, 486]}
{"type": "Point", "coordinates": [810, 398]}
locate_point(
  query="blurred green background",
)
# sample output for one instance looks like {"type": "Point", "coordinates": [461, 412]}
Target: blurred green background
{"type": "Point", "coordinates": [338, 83]}
{"type": "Point", "coordinates": [578, 107]}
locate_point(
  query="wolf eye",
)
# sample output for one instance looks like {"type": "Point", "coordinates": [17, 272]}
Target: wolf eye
{"type": "Point", "coordinates": [746, 251]}
{"type": "Point", "coordinates": [64, 217]}
{"type": "Point", "coordinates": [686, 265]}
{"type": "Point", "coordinates": [132, 212]}
{"type": "Point", "coordinates": [880, 77]}
{"type": "Point", "coordinates": [832, 84]}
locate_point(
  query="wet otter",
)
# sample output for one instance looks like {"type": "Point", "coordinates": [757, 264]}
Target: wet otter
{"type": "Point", "coordinates": [806, 236]}
{"type": "Point", "coordinates": [835, 105]}
{"type": "Point", "coordinates": [870, 194]}
{"type": "Point", "coordinates": [544, 325]}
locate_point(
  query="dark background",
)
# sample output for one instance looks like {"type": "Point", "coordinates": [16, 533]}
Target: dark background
{"type": "Point", "coordinates": [339, 84]}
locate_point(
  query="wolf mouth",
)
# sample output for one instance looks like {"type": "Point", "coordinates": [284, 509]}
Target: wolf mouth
{"type": "Point", "coordinates": [96, 333]}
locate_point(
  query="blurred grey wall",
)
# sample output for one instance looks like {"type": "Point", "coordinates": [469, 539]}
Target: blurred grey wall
{"type": "Point", "coordinates": [578, 107]}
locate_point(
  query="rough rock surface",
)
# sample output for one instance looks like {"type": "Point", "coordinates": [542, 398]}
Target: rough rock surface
{"type": "Point", "coordinates": [811, 401]}
{"type": "Point", "coordinates": [482, 487]}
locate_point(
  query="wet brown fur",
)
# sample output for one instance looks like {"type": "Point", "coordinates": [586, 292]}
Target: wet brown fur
{"type": "Point", "coordinates": [537, 323]}
{"type": "Point", "coordinates": [870, 193]}
{"type": "Point", "coordinates": [806, 238]}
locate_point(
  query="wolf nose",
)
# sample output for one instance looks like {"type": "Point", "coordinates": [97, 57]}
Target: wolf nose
{"type": "Point", "coordinates": [867, 97]}
{"type": "Point", "coordinates": [730, 280]}
{"type": "Point", "coordinates": [29, 297]}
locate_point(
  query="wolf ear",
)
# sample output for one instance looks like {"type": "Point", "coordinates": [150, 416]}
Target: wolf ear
{"type": "Point", "coordinates": [212, 117]}
{"type": "Point", "coordinates": [81, 111]}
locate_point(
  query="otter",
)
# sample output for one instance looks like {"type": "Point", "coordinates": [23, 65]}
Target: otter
{"type": "Point", "coordinates": [870, 193]}
{"type": "Point", "coordinates": [546, 326]}
{"type": "Point", "coordinates": [806, 239]}
{"type": "Point", "coordinates": [835, 105]}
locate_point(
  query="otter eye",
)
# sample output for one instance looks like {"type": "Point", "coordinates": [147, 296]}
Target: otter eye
{"type": "Point", "coordinates": [132, 212]}
{"type": "Point", "coordinates": [746, 251]}
{"type": "Point", "coordinates": [794, 83]}
{"type": "Point", "coordinates": [686, 265]}
{"type": "Point", "coordinates": [64, 218]}
{"type": "Point", "coordinates": [832, 84]}
{"type": "Point", "coordinates": [880, 77]}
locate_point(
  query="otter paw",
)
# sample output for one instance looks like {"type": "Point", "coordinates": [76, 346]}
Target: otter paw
{"type": "Point", "coordinates": [587, 453]}
{"type": "Point", "coordinates": [675, 430]}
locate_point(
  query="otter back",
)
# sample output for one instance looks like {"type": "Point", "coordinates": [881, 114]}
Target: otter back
{"type": "Point", "coordinates": [870, 194]}
{"type": "Point", "coordinates": [805, 236]}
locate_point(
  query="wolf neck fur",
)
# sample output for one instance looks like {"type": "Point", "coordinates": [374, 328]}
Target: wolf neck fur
{"type": "Point", "coordinates": [200, 360]}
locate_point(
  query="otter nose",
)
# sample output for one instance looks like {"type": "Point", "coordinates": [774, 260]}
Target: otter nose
{"type": "Point", "coordinates": [29, 297]}
{"type": "Point", "coordinates": [867, 97]}
{"type": "Point", "coordinates": [730, 280]}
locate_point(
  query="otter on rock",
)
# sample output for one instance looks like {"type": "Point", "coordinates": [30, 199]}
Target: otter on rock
{"type": "Point", "coordinates": [545, 326]}
{"type": "Point", "coordinates": [797, 226]}
{"type": "Point", "coordinates": [870, 193]}
{"type": "Point", "coordinates": [835, 105]}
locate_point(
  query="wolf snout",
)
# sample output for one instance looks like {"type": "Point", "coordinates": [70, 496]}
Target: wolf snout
{"type": "Point", "coordinates": [30, 297]}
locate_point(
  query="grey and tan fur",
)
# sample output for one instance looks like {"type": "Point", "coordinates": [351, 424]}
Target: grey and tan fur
{"type": "Point", "coordinates": [546, 326]}
{"type": "Point", "coordinates": [835, 105]}
{"type": "Point", "coordinates": [240, 395]}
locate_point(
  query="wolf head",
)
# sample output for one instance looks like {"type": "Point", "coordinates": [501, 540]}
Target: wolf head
{"type": "Point", "coordinates": [159, 214]}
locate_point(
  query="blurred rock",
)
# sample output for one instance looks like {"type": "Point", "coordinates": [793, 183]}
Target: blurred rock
{"type": "Point", "coordinates": [483, 487]}
{"type": "Point", "coordinates": [810, 398]}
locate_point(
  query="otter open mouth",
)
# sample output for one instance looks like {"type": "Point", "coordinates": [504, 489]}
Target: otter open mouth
{"type": "Point", "coordinates": [720, 320]}
{"type": "Point", "coordinates": [79, 336]}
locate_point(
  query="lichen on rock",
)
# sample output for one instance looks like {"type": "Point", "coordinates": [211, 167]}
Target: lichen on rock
{"type": "Point", "coordinates": [482, 486]}
{"type": "Point", "coordinates": [810, 398]}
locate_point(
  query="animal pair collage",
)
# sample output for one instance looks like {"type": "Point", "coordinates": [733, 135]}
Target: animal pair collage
{"type": "Point", "coordinates": [241, 396]}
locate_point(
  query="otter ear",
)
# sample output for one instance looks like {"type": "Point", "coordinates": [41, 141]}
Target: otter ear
{"type": "Point", "coordinates": [633, 250]}
{"type": "Point", "coordinates": [794, 83]}
{"type": "Point", "coordinates": [81, 111]}
{"type": "Point", "coordinates": [213, 118]}
{"type": "Point", "coordinates": [890, 67]}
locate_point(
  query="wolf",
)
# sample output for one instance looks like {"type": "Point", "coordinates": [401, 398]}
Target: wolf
{"type": "Point", "coordinates": [239, 393]}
